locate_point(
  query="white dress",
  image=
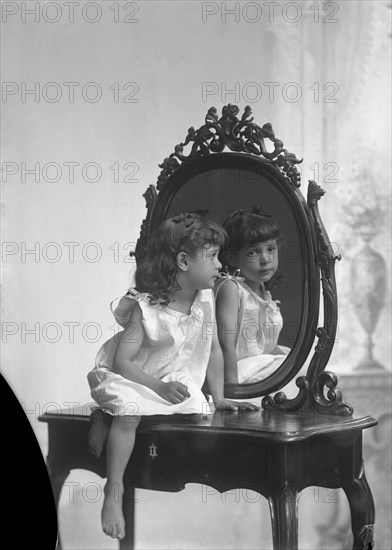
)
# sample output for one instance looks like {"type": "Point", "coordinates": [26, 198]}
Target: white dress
{"type": "Point", "coordinates": [176, 347]}
{"type": "Point", "coordinates": [258, 327]}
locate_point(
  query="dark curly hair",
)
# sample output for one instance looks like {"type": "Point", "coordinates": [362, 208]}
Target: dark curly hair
{"type": "Point", "coordinates": [244, 228]}
{"type": "Point", "coordinates": [157, 273]}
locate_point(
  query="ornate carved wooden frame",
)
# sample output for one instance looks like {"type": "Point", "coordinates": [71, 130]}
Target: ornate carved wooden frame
{"type": "Point", "coordinates": [245, 139]}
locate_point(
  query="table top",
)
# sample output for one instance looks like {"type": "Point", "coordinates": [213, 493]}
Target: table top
{"type": "Point", "coordinates": [271, 425]}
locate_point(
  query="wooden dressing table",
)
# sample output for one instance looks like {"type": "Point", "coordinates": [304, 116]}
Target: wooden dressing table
{"type": "Point", "coordinates": [273, 453]}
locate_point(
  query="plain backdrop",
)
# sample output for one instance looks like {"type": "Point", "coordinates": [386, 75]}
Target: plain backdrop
{"type": "Point", "coordinates": [115, 87]}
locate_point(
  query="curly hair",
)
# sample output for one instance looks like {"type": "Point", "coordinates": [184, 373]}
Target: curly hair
{"type": "Point", "coordinates": [188, 232]}
{"type": "Point", "coordinates": [244, 228]}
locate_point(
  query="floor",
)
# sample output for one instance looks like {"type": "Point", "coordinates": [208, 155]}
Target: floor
{"type": "Point", "coordinates": [196, 518]}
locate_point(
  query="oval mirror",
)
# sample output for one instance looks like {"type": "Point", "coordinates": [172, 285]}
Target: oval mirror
{"type": "Point", "coordinates": [224, 182]}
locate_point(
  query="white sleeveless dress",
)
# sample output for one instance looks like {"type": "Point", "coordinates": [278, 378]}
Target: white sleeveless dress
{"type": "Point", "coordinates": [258, 328]}
{"type": "Point", "coordinates": [176, 347]}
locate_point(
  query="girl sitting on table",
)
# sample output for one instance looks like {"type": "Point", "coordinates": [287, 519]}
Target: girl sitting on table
{"type": "Point", "coordinates": [158, 363]}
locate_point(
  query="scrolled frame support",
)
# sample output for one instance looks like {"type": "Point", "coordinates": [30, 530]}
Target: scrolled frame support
{"type": "Point", "coordinates": [317, 381]}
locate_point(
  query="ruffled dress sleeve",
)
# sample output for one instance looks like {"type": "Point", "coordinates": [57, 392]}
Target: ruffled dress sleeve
{"type": "Point", "coordinates": [123, 310]}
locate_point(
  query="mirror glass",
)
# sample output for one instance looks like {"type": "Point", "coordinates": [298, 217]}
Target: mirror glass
{"type": "Point", "coordinates": [225, 190]}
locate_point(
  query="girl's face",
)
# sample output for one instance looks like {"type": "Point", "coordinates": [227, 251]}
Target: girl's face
{"type": "Point", "coordinates": [204, 266]}
{"type": "Point", "coordinates": [259, 261]}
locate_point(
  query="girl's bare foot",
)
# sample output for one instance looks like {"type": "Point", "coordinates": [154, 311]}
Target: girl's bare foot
{"type": "Point", "coordinates": [113, 523]}
{"type": "Point", "coordinates": [99, 429]}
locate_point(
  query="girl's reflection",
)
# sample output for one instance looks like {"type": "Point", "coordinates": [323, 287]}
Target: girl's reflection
{"type": "Point", "coordinates": [249, 320]}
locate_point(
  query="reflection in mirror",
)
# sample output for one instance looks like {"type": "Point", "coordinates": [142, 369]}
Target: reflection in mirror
{"type": "Point", "coordinates": [258, 320]}
{"type": "Point", "coordinates": [249, 320]}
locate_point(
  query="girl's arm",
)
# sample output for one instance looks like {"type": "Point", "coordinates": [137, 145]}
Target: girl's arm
{"type": "Point", "coordinates": [128, 348]}
{"type": "Point", "coordinates": [215, 381]}
{"type": "Point", "coordinates": [215, 377]}
{"type": "Point", "coordinates": [222, 367]}
{"type": "Point", "coordinates": [227, 304]}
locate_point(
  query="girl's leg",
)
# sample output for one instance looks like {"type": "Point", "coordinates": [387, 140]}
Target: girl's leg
{"type": "Point", "coordinates": [119, 447]}
{"type": "Point", "coordinates": [99, 429]}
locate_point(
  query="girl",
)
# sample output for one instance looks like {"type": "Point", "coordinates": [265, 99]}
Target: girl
{"type": "Point", "coordinates": [158, 364]}
{"type": "Point", "coordinates": [249, 321]}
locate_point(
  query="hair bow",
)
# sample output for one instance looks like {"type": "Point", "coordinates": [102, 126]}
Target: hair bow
{"type": "Point", "coordinates": [189, 217]}
{"type": "Point", "coordinates": [255, 210]}
{"type": "Point", "coordinates": [226, 274]}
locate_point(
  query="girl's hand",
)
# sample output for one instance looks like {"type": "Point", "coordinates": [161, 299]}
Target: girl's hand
{"type": "Point", "coordinates": [227, 405]}
{"type": "Point", "coordinates": [174, 392]}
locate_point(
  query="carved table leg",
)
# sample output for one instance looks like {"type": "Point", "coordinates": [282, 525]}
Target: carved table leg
{"type": "Point", "coordinates": [57, 481]}
{"type": "Point", "coordinates": [283, 504]}
{"type": "Point", "coordinates": [129, 514]}
{"type": "Point", "coordinates": [362, 512]}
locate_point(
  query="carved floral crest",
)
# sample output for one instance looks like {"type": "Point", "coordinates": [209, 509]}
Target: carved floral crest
{"type": "Point", "coordinates": [240, 135]}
